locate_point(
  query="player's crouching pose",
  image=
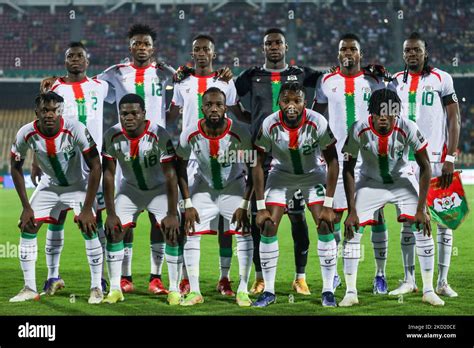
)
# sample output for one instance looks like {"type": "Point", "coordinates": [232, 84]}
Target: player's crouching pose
{"type": "Point", "coordinates": [216, 142]}
{"type": "Point", "coordinates": [294, 136]}
{"type": "Point", "coordinates": [139, 146]}
{"type": "Point", "coordinates": [384, 141]}
{"type": "Point", "coordinates": [58, 145]}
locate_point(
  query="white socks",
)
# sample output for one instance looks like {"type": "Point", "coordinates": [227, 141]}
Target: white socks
{"type": "Point", "coordinates": [269, 253]}
{"type": "Point", "coordinates": [192, 254]}
{"type": "Point", "coordinates": [174, 260]}
{"type": "Point", "coordinates": [53, 247]}
{"type": "Point", "coordinates": [351, 255]}
{"type": "Point", "coordinates": [380, 245]}
{"type": "Point", "coordinates": [407, 241]}
{"type": "Point", "coordinates": [327, 252]}
{"type": "Point", "coordinates": [425, 251]}
{"type": "Point", "coordinates": [95, 259]}
{"type": "Point", "coordinates": [445, 248]}
{"type": "Point", "coordinates": [127, 259]}
{"type": "Point", "coordinates": [114, 256]}
{"type": "Point", "coordinates": [244, 255]}
{"type": "Point", "coordinates": [28, 257]}
{"type": "Point", "coordinates": [157, 255]}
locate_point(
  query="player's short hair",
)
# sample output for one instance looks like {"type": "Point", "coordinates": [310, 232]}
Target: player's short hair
{"type": "Point", "coordinates": [292, 86]}
{"type": "Point", "coordinates": [274, 31]}
{"type": "Point", "coordinates": [205, 37]}
{"type": "Point", "coordinates": [214, 90]}
{"type": "Point", "coordinates": [76, 44]}
{"type": "Point", "coordinates": [141, 29]}
{"type": "Point", "coordinates": [51, 96]}
{"type": "Point", "coordinates": [416, 36]}
{"type": "Point", "coordinates": [350, 36]}
{"type": "Point", "coordinates": [132, 98]}
{"type": "Point", "coordinates": [381, 98]}
{"type": "Point", "coordinates": [37, 101]}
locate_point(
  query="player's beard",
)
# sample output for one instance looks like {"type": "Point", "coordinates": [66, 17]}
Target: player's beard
{"type": "Point", "coordinates": [292, 123]}
{"type": "Point", "coordinates": [215, 125]}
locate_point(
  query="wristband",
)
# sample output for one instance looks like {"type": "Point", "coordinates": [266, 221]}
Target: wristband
{"type": "Point", "coordinates": [244, 204]}
{"type": "Point", "coordinates": [328, 202]}
{"type": "Point", "coordinates": [261, 205]}
{"type": "Point", "coordinates": [188, 203]}
{"type": "Point", "coordinates": [450, 158]}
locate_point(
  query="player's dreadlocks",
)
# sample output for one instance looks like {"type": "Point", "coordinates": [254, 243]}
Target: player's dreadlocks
{"type": "Point", "coordinates": [382, 98]}
{"type": "Point", "coordinates": [141, 29]}
{"type": "Point", "coordinates": [426, 68]}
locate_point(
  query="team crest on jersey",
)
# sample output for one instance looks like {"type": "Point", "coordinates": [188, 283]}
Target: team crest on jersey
{"type": "Point", "coordinates": [92, 93]}
{"type": "Point", "coordinates": [366, 90]}
{"type": "Point", "coordinates": [187, 91]}
{"type": "Point", "coordinates": [334, 89]}
{"type": "Point", "coordinates": [428, 88]}
{"type": "Point", "coordinates": [291, 78]}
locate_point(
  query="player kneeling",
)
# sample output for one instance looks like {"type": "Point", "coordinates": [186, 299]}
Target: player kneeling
{"type": "Point", "coordinates": [384, 141]}
{"type": "Point", "coordinates": [58, 145]}
{"type": "Point", "coordinates": [139, 146]}
{"type": "Point", "coordinates": [216, 142]}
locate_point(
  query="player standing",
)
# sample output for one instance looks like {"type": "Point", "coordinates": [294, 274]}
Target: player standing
{"type": "Point", "coordinates": [188, 95]}
{"type": "Point", "coordinates": [147, 79]}
{"type": "Point", "coordinates": [139, 146]}
{"type": "Point", "coordinates": [216, 190]}
{"type": "Point", "coordinates": [263, 84]}
{"type": "Point", "coordinates": [59, 145]}
{"type": "Point", "coordinates": [293, 136]}
{"type": "Point", "coordinates": [83, 102]}
{"type": "Point", "coordinates": [345, 94]}
{"type": "Point", "coordinates": [386, 177]}
{"type": "Point", "coordinates": [429, 99]}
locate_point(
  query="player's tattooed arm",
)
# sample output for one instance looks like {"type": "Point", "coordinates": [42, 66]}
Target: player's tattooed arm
{"type": "Point", "coordinates": [112, 223]}
{"type": "Point", "coordinates": [86, 219]}
{"type": "Point", "coordinates": [351, 223]}
{"type": "Point", "coordinates": [27, 217]}
{"type": "Point", "coordinates": [36, 171]}
{"type": "Point", "coordinates": [454, 127]}
{"type": "Point", "coordinates": [421, 216]}
{"type": "Point", "coordinates": [190, 213]}
{"type": "Point", "coordinates": [170, 223]}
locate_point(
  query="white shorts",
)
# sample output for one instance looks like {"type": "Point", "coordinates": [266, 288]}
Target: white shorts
{"type": "Point", "coordinates": [131, 201]}
{"type": "Point", "coordinates": [191, 171]}
{"type": "Point", "coordinates": [340, 200]}
{"type": "Point", "coordinates": [211, 203]}
{"type": "Point", "coordinates": [372, 195]}
{"type": "Point", "coordinates": [281, 187]}
{"type": "Point", "coordinates": [48, 201]}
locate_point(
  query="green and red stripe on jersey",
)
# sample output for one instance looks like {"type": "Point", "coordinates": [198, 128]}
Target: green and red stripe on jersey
{"type": "Point", "coordinates": [349, 94]}
{"type": "Point", "coordinates": [415, 79]}
{"type": "Point", "coordinates": [293, 145]}
{"type": "Point", "coordinates": [135, 158]}
{"type": "Point", "coordinates": [202, 87]}
{"type": "Point", "coordinates": [276, 86]}
{"type": "Point", "coordinates": [383, 159]}
{"type": "Point", "coordinates": [140, 81]}
{"type": "Point", "coordinates": [52, 153]}
{"type": "Point", "coordinates": [80, 102]}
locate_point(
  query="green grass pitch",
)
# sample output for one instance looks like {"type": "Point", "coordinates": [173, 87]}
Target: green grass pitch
{"type": "Point", "coordinates": [75, 271]}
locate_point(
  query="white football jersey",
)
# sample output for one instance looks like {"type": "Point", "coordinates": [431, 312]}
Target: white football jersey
{"type": "Point", "coordinates": [293, 149]}
{"type": "Point", "coordinates": [422, 102]}
{"type": "Point", "coordinates": [144, 81]}
{"type": "Point", "coordinates": [140, 157]}
{"type": "Point", "coordinates": [188, 95]}
{"type": "Point", "coordinates": [84, 102]}
{"type": "Point", "coordinates": [347, 98]}
{"type": "Point", "coordinates": [59, 156]}
{"type": "Point", "coordinates": [384, 157]}
{"type": "Point", "coordinates": [221, 160]}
